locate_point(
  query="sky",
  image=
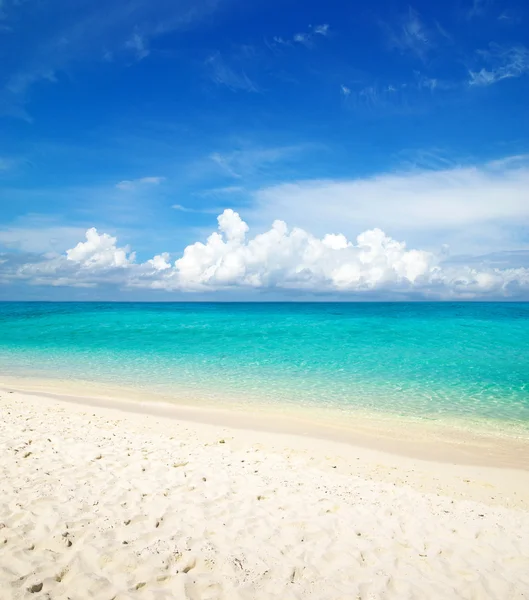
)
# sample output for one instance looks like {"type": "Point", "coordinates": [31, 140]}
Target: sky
{"type": "Point", "coordinates": [252, 150]}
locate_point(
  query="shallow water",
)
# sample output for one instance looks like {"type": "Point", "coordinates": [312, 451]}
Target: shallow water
{"type": "Point", "coordinates": [429, 360]}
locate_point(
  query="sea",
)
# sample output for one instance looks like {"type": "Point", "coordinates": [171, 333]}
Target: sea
{"type": "Point", "coordinates": [465, 363]}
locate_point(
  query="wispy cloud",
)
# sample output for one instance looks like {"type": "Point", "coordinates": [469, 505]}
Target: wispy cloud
{"type": "Point", "coordinates": [305, 38]}
{"type": "Point", "coordinates": [479, 8]}
{"type": "Point", "coordinates": [411, 35]}
{"type": "Point", "coordinates": [509, 17]}
{"type": "Point", "coordinates": [500, 63]}
{"type": "Point", "coordinates": [444, 35]}
{"type": "Point", "coordinates": [250, 161]}
{"type": "Point", "coordinates": [431, 159]}
{"type": "Point", "coordinates": [301, 38]}
{"type": "Point", "coordinates": [192, 209]}
{"type": "Point", "coordinates": [396, 97]}
{"type": "Point", "coordinates": [510, 162]}
{"type": "Point", "coordinates": [225, 163]}
{"type": "Point", "coordinates": [138, 44]}
{"type": "Point", "coordinates": [424, 82]}
{"type": "Point", "coordinates": [223, 74]}
{"type": "Point", "coordinates": [322, 29]}
{"type": "Point", "coordinates": [222, 191]}
{"type": "Point", "coordinates": [89, 32]}
{"type": "Point", "coordinates": [182, 208]}
{"type": "Point", "coordinates": [131, 185]}
{"type": "Point", "coordinates": [472, 207]}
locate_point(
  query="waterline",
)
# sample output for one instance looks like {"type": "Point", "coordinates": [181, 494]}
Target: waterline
{"type": "Point", "coordinates": [458, 363]}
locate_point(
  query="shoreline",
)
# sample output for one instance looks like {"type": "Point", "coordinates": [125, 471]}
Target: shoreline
{"type": "Point", "coordinates": [126, 504]}
{"type": "Point", "coordinates": [437, 467]}
{"type": "Point", "coordinates": [423, 439]}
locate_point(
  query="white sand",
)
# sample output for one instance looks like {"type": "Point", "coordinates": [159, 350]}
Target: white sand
{"type": "Point", "coordinates": [100, 503]}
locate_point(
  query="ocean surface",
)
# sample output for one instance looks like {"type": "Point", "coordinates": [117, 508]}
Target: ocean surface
{"type": "Point", "coordinates": [456, 361]}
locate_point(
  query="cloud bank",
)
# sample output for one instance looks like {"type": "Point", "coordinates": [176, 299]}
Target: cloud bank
{"type": "Point", "coordinates": [474, 209]}
{"type": "Point", "coordinates": [278, 259]}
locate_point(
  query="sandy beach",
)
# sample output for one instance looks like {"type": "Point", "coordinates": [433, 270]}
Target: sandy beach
{"type": "Point", "coordinates": [98, 502]}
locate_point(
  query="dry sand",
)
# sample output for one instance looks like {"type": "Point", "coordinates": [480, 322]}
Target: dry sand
{"type": "Point", "coordinates": [97, 502]}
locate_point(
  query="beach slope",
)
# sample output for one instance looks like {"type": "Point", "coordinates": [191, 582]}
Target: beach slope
{"type": "Point", "coordinates": [106, 504]}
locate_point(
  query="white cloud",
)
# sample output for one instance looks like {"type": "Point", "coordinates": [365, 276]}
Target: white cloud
{"type": "Point", "coordinates": [280, 258]}
{"type": "Point", "coordinates": [95, 261]}
{"type": "Point", "coordinates": [474, 208]}
{"type": "Point", "coordinates": [501, 63]}
{"type": "Point", "coordinates": [346, 91]}
{"type": "Point", "coordinates": [301, 38]}
{"type": "Point", "coordinates": [129, 185]}
{"type": "Point", "coordinates": [296, 259]}
{"type": "Point", "coordinates": [160, 262]}
{"type": "Point", "coordinates": [99, 251]}
{"type": "Point", "coordinates": [322, 29]}
{"type": "Point", "coordinates": [305, 38]}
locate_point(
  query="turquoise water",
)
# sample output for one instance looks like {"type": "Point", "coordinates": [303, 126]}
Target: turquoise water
{"type": "Point", "coordinates": [460, 360]}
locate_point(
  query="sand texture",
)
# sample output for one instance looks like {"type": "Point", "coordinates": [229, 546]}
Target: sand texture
{"type": "Point", "coordinates": [104, 504]}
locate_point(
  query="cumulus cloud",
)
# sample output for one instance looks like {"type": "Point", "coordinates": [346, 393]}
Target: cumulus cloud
{"type": "Point", "coordinates": [99, 251]}
{"type": "Point", "coordinates": [281, 258]}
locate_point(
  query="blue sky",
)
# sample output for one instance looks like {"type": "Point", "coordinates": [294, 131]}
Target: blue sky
{"type": "Point", "coordinates": [147, 119]}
